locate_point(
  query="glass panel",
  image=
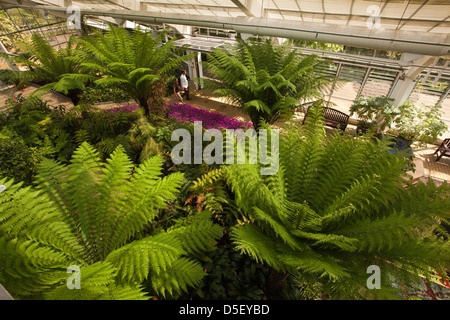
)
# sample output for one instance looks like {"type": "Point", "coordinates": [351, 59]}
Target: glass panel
{"type": "Point", "coordinates": [379, 82]}
{"type": "Point", "coordinates": [354, 76]}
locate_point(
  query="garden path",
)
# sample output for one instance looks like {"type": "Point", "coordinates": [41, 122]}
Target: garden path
{"type": "Point", "coordinates": [54, 98]}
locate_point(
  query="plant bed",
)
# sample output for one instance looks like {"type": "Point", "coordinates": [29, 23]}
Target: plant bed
{"type": "Point", "coordinates": [187, 113]}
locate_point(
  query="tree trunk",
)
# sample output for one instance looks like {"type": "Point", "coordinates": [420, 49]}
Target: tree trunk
{"type": "Point", "coordinates": [74, 96]}
{"type": "Point", "coordinates": [275, 284]}
{"type": "Point", "coordinates": [144, 105]}
{"type": "Point", "coordinates": [381, 122]}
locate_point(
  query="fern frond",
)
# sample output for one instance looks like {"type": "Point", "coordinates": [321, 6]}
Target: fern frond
{"type": "Point", "coordinates": [249, 240]}
{"type": "Point", "coordinates": [148, 193]}
{"type": "Point", "coordinates": [156, 253]}
{"type": "Point", "coordinates": [97, 283]}
{"type": "Point", "coordinates": [199, 235]}
{"type": "Point", "coordinates": [182, 274]}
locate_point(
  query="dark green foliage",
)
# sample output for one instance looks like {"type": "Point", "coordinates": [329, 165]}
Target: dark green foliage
{"type": "Point", "coordinates": [26, 120]}
{"type": "Point", "coordinates": [55, 133]}
{"type": "Point", "coordinates": [23, 138]}
{"type": "Point", "coordinates": [93, 95]}
{"type": "Point", "coordinates": [17, 161]}
{"type": "Point", "coordinates": [93, 215]}
{"type": "Point", "coordinates": [231, 275]}
{"type": "Point", "coordinates": [102, 129]}
{"type": "Point", "coordinates": [337, 206]}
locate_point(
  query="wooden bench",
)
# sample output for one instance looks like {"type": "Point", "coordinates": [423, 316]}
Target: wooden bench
{"type": "Point", "coordinates": [443, 150]}
{"type": "Point", "coordinates": [333, 118]}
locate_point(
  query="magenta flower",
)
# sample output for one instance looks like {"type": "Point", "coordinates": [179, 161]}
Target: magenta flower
{"type": "Point", "coordinates": [187, 113]}
{"type": "Point", "coordinates": [122, 109]}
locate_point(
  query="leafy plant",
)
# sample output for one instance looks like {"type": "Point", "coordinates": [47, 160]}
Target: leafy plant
{"type": "Point", "coordinates": [25, 120]}
{"type": "Point", "coordinates": [267, 81]}
{"type": "Point", "coordinates": [423, 124]}
{"type": "Point", "coordinates": [231, 275]}
{"type": "Point", "coordinates": [376, 111]}
{"type": "Point", "coordinates": [337, 206]}
{"type": "Point", "coordinates": [94, 216]}
{"type": "Point", "coordinates": [104, 129]}
{"type": "Point", "coordinates": [93, 95]}
{"type": "Point", "coordinates": [50, 65]}
{"type": "Point", "coordinates": [132, 62]}
{"type": "Point", "coordinates": [414, 123]}
{"type": "Point", "coordinates": [18, 161]}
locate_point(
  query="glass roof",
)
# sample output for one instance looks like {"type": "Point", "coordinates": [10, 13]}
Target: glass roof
{"type": "Point", "coordinates": [204, 44]}
{"type": "Point", "coordinates": [410, 15]}
{"type": "Point", "coordinates": [429, 20]}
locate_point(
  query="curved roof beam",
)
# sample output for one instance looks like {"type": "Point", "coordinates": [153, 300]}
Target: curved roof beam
{"type": "Point", "coordinates": [252, 8]}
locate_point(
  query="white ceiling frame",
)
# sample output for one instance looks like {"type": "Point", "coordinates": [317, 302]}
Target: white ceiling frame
{"type": "Point", "coordinates": [252, 8]}
{"type": "Point", "coordinates": [385, 39]}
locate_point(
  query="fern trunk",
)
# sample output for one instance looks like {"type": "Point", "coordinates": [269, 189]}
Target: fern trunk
{"type": "Point", "coordinates": [74, 96]}
{"type": "Point", "coordinates": [275, 284]}
{"type": "Point", "coordinates": [146, 106]}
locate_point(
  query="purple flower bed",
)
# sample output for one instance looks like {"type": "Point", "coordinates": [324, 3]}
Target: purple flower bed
{"type": "Point", "coordinates": [122, 109]}
{"type": "Point", "coordinates": [187, 113]}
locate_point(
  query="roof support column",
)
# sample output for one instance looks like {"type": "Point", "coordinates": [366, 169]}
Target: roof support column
{"type": "Point", "coordinates": [200, 69]}
{"type": "Point", "coordinates": [405, 85]}
{"type": "Point", "coordinates": [192, 68]}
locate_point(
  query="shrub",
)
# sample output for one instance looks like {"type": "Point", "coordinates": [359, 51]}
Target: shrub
{"type": "Point", "coordinates": [17, 160]}
{"type": "Point", "coordinates": [93, 95]}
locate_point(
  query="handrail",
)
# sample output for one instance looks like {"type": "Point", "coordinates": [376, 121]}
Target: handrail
{"type": "Point", "coordinates": [4, 295]}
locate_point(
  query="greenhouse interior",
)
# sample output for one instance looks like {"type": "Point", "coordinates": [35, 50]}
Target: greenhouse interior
{"type": "Point", "coordinates": [184, 150]}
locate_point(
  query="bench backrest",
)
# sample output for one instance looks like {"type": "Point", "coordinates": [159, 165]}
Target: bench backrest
{"type": "Point", "coordinates": [447, 142]}
{"type": "Point", "coordinates": [336, 115]}
{"type": "Point", "coordinates": [333, 117]}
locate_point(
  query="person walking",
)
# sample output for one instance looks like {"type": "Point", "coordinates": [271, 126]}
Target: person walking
{"type": "Point", "coordinates": [184, 84]}
{"type": "Point", "coordinates": [176, 91]}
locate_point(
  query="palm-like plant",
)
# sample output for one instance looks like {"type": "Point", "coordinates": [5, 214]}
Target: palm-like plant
{"type": "Point", "coordinates": [128, 61]}
{"type": "Point", "coordinates": [337, 206]}
{"type": "Point", "coordinates": [50, 65]}
{"type": "Point", "coordinates": [94, 216]}
{"type": "Point", "coordinates": [267, 81]}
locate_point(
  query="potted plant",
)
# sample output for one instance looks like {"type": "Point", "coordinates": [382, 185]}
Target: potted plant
{"type": "Point", "coordinates": [419, 124]}
{"type": "Point", "coordinates": [402, 125]}
{"type": "Point", "coordinates": [374, 113]}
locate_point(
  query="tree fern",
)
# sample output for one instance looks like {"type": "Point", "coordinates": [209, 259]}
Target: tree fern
{"type": "Point", "coordinates": [336, 206]}
{"type": "Point", "coordinates": [131, 62]}
{"type": "Point", "coordinates": [48, 64]}
{"type": "Point", "coordinates": [267, 81]}
{"type": "Point", "coordinates": [92, 215]}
